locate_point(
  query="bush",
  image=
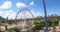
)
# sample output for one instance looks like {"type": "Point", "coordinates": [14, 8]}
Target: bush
{"type": "Point", "coordinates": [38, 26]}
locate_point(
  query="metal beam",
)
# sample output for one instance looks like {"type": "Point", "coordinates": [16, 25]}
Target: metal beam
{"type": "Point", "coordinates": [46, 20]}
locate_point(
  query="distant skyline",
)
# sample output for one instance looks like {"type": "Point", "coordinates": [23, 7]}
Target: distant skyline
{"type": "Point", "coordinates": [9, 8]}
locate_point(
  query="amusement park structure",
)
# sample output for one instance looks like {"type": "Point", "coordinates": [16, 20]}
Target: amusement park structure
{"type": "Point", "coordinates": [26, 25]}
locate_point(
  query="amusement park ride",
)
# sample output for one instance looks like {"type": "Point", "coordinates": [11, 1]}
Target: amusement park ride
{"type": "Point", "coordinates": [23, 15]}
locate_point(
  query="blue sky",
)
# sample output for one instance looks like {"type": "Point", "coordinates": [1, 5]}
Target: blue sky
{"type": "Point", "coordinates": [11, 7]}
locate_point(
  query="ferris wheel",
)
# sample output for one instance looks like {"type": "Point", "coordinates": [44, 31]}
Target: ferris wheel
{"type": "Point", "coordinates": [25, 14]}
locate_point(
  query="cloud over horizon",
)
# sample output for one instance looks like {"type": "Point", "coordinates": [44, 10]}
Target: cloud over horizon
{"type": "Point", "coordinates": [6, 5]}
{"type": "Point", "coordinates": [19, 4]}
{"type": "Point", "coordinates": [11, 14]}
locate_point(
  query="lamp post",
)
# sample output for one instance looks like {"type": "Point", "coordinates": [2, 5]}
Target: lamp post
{"type": "Point", "coordinates": [46, 20]}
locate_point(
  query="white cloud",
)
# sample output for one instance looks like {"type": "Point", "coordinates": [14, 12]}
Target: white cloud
{"type": "Point", "coordinates": [19, 4]}
{"type": "Point", "coordinates": [10, 14]}
{"type": "Point", "coordinates": [6, 5]}
{"type": "Point", "coordinates": [32, 3]}
{"type": "Point", "coordinates": [1, 13]}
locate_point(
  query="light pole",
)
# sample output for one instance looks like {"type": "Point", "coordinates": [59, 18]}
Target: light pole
{"type": "Point", "coordinates": [46, 20]}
